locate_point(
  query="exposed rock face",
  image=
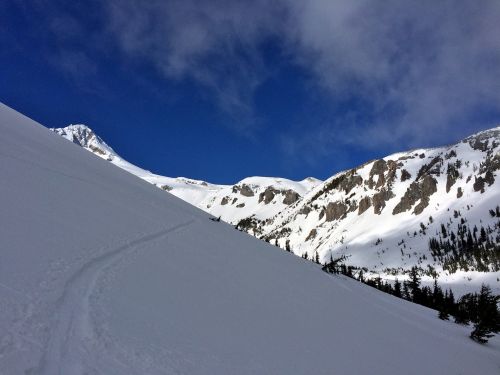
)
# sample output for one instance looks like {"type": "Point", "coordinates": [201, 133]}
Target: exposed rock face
{"type": "Point", "coordinates": [391, 174]}
{"type": "Point", "coordinates": [379, 200]}
{"type": "Point", "coordinates": [422, 191]}
{"type": "Point", "coordinates": [244, 190]}
{"type": "Point", "coordinates": [291, 197]}
{"type": "Point", "coordinates": [345, 182]}
{"type": "Point", "coordinates": [224, 201]}
{"type": "Point", "coordinates": [460, 192]}
{"type": "Point", "coordinates": [97, 150]}
{"type": "Point", "coordinates": [364, 204]}
{"type": "Point", "coordinates": [166, 187]}
{"type": "Point", "coordinates": [305, 210]}
{"type": "Point", "coordinates": [405, 175]}
{"type": "Point", "coordinates": [335, 211]}
{"type": "Point", "coordinates": [452, 175]}
{"type": "Point", "coordinates": [241, 205]}
{"type": "Point", "coordinates": [268, 195]}
{"type": "Point", "coordinates": [312, 234]}
{"type": "Point", "coordinates": [379, 167]}
{"type": "Point", "coordinates": [351, 181]}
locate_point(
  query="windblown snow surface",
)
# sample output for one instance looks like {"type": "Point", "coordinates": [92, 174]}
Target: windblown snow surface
{"type": "Point", "coordinates": [102, 273]}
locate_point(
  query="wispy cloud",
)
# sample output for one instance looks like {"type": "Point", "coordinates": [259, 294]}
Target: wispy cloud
{"type": "Point", "coordinates": [215, 43]}
{"type": "Point", "coordinates": [422, 68]}
{"type": "Point", "coordinates": [425, 68]}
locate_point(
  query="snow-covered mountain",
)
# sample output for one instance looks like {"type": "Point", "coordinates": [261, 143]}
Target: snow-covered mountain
{"type": "Point", "coordinates": [382, 215]}
{"type": "Point", "coordinates": [259, 197]}
{"type": "Point", "coordinates": [192, 191]}
{"type": "Point", "coordinates": [102, 273]}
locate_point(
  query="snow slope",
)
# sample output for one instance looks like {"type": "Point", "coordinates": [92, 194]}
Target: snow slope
{"type": "Point", "coordinates": [382, 214]}
{"type": "Point", "coordinates": [192, 191]}
{"type": "Point", "coordinates": [372, 213]}
{"type": "Point", "coordinates": [231, 202]}
{"type": "Point", "coordinates": [101, 273]}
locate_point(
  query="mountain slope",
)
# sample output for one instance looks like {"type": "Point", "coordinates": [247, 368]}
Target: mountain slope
{"type": "Point", "coordinates": [381, 215]}
{"type": "Point", "coordinates": [193, 191]}
{"type": "Point", "coordinates": [260, 197]}
{"type": "Point", "coordinates": [102, 273]}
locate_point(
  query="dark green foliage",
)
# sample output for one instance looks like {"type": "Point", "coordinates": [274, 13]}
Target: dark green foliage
{"type": "Point", "coordinates": [397, 289]}
{"type": "Point", "coordinates": [414, 285]}
{"type": "Point", "coordinates": [334, 265]}
{"type": "Point", "coordinates": [477, 249]}
{"type": "Point", "coordinates": [480, 309]}
{"type": "Point", "coordinates": [488, 317]}
{"type": "Point", "coordinates": [443, 315]}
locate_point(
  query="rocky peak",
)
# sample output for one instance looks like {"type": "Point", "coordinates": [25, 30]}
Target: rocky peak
{"type": "Point", "coordinates": [85, 137]}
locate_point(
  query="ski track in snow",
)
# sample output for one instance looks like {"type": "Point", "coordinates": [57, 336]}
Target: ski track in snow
{"type": "Point", "coordinates": [71, 332]}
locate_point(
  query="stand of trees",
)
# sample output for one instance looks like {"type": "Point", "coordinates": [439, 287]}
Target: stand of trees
{"type": "Point", "coordinates": [481, 309]}
{"type": "Point", "coordinates": [468, 249]}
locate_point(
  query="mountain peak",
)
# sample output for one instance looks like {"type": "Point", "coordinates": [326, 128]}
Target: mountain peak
{"type": "Point", "coordinates": [85, 137]}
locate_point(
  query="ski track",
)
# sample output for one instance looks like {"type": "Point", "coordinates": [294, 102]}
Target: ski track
{"type": "Point", "coordinates": [71, 329]}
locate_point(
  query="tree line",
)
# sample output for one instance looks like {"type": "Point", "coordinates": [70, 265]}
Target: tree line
{"type": "Point", "coordinates": [468, 249]}
{"type": "Point", "coordinates": [480, 309]}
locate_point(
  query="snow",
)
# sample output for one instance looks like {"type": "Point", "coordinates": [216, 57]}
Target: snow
{"type": "Point", "coordinates": [102, 273]}
{"type": "Point", "coordinates": [356, 236]}
{"type": "Point", "coordinates": [202, 194]}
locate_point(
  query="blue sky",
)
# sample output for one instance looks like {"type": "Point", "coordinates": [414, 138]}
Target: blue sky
{"type": "Point", "coordinates": [220, 90]}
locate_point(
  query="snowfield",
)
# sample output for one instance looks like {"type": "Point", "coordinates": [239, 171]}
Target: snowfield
{"type": "Point", "coordinates": [102, 273]}
{"type": "Point", "coordinates": [352, 213]}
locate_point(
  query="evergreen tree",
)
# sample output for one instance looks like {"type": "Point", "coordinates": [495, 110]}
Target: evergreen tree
{"type": "Point", "coordinates": [443, 315]}
{"type": "Point", "coordinates": [397, 289]}
{"type": "Point", "coordinates": [488, 322]}
{"type": "Point", "coordinates": [360, 276]}
{"type": "Point", "coordinates": [414, 285]}
{"type": "Point", "coordinates": [406, 292]}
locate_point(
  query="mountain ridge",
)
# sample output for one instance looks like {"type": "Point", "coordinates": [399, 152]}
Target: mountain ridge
{"type": "Point", "coordinates": [103, 273]}
{"type": "Point", "coordinates": [382, 215]}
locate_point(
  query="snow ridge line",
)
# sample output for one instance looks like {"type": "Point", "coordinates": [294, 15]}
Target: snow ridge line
{"type": "Point", "coordinates": [71, 328]}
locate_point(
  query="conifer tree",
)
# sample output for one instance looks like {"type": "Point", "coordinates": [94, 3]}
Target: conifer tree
{"type": "Point", "coordinates": [488, 322]}
{"type": "Point", "coordinates": [443, 315]}
{"type": "Point", "coordinates": [414, 285]}
{"type": "Point", "coordinates": [397, 288]}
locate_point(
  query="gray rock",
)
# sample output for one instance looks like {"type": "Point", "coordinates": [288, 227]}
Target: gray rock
{"type": "Point", "coordinates": [379, 200]}
{"type": "Point", "coordinates": [405, 175]}
{"type": "Point", "coordinates": [268, 195]}
{"type": "Point", "coordinates": [312, 234]}
{"type": "Point", "coordinates": [291, 197]}
{"type": "Point", "coordinates": [421, 190]}
{"type": "Point", "coordinates": [335, 211]}
{"type": "Point", "coordinates": [364, 204]}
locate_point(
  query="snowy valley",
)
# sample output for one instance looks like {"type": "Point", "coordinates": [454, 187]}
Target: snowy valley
{"type": "Point", "coordinates": [102, 273]}
{"type": "Point", "coordinates": [436, 209]}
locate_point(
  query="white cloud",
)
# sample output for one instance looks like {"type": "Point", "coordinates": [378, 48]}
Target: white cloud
{"type": "Point", "coordinates": [423, 68]}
